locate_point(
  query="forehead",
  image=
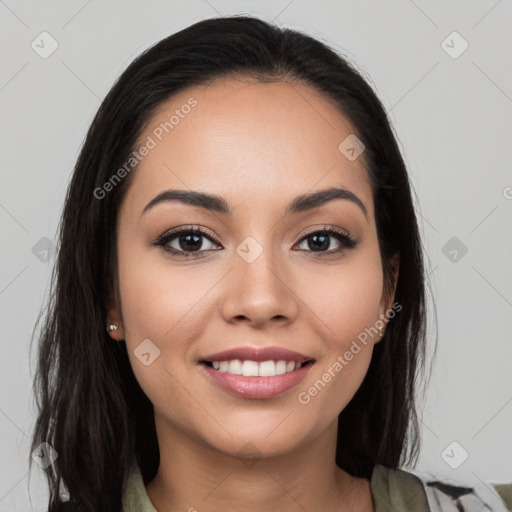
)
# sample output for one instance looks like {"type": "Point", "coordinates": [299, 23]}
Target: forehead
{"type": "Point", "coordinates": [247, 139]}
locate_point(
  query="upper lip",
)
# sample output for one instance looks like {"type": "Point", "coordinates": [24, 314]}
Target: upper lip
{"type": "Point", "coordinates": [258, 354]}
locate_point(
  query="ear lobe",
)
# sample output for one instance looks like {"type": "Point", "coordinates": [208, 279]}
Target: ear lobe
{"type": "Point", "coordinates": [114, 317]}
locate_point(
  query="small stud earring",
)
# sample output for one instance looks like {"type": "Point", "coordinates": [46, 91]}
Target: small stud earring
{"type": "Point", "coordinates": [111, 328]}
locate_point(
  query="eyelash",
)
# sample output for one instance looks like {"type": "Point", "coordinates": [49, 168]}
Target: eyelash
{"type": "Point", "coordinates": [341, 236]}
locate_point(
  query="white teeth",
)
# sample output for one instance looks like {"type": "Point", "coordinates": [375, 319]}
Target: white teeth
{"type": "Point", "coordinates": [250, 368]}
{"type": "Point", "coordinates": [267, 369]}
{"type": "Point", "coordinates": [235, 367]}
{"type": "Point", "coordinates": [254, 369]}
{"type": "Point", "coordinates": [280, 367]}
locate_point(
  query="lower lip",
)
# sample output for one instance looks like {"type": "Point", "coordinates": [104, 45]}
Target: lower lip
{"type": "Point", "coordinates": [257, 387]}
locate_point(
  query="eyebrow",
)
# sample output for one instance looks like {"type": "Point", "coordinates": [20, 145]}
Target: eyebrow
{"type": "Point", "coordinates": [218, 204]}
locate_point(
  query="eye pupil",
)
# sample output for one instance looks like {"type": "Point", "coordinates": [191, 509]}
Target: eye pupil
{"type": "Point", "coordinates": [324, 243]}
{"type": "Point", "coordinates": [184, 240]}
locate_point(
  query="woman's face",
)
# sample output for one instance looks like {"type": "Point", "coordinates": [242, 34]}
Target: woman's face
{"type": "Point", "coordinates": [254, 279]}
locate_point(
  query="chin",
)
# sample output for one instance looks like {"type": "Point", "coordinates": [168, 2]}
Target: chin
{"type": "Point", "coordinates": [256, 443]}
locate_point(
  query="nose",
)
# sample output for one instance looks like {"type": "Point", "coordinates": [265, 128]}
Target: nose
{"type": "Point", "coordinates": [260, 292]}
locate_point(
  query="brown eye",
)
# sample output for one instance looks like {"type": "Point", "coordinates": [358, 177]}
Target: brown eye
{"type": "Point", "coordinates": [320, 241]}
{"type": "Point", "coordinates": [184, 242]}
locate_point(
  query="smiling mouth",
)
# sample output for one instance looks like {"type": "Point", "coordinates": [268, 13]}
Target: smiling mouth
{"type": "Point", "coordinates": [249, 368]}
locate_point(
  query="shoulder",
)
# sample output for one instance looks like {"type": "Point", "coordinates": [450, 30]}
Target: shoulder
{"type": "Point", "coordinates": [397, 489]}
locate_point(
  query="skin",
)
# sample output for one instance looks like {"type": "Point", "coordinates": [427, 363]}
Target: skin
{"type": "Point", "coordinates": [258, 145]}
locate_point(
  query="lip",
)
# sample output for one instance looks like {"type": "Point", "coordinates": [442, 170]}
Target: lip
{"type": "Point", "coordinates": [258, 355]}
{"type": "Point", "coordinates": [256, 387]}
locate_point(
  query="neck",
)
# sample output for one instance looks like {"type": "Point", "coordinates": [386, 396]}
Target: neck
{"type": "Point", "coordinates": [194, 476]}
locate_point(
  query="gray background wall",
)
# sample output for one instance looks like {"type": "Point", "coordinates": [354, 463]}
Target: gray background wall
{"type": "Point", "coordinates": [452, 112]}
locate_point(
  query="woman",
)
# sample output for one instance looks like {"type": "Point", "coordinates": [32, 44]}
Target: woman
{"type": "Point", "coordinates": [238, 314]}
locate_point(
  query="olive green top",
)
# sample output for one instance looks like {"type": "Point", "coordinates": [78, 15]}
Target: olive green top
{"type": "Point", "coordinates": [394, 490]}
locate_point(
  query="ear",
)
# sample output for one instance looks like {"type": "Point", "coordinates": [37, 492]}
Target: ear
{"type": "Point", "coordinates": [114, 316]}
{"type": "Point", "coordinates": [388, 299]}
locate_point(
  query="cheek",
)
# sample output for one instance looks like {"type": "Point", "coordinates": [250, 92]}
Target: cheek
{"type": "Point", "coordinates": [166, 306]}
{"type": "Point", "coordinates": [347, 300]}
{"type": "Point", "coordinates": [157, 298]}
{"type": "Point", "coordinates": [348, 347]}
{"type": "Point", "coordinates": [346, 307]}
{"type": "Point", "coordinates": [157, 305]}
